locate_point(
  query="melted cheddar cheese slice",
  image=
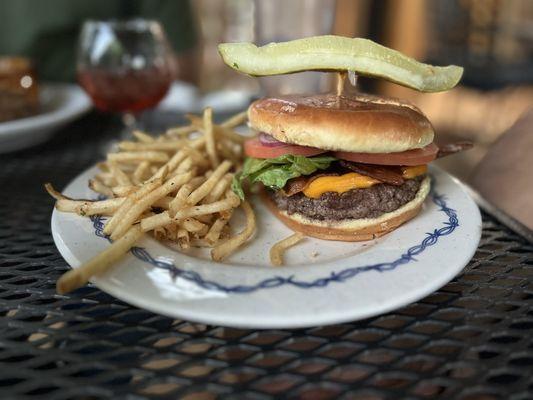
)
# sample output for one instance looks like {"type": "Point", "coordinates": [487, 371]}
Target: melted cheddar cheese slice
{"type": "Point", "coordinates": [413, 172]}
{"type": "Point", "coordinates": [353, 180]}
{"type": "Point", "coordinates": [339, 184]}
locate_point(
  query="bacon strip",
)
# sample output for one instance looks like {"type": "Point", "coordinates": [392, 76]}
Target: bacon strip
{"type": "Point", "coordinates": [390, 175]}
{"type": "Point", "coordinates": [297, 185]}
{"type": "Point", "coordinates": [451, 148]}
{"type": "Point", "coordinates": [384, 173]}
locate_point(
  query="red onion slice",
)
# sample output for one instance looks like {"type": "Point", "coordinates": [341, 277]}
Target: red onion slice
{"type": "Point", "coordinates": [269, 141]}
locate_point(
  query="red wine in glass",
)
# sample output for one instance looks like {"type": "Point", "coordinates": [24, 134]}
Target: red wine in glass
{"type": "Point", "coordinates": [125, 91]}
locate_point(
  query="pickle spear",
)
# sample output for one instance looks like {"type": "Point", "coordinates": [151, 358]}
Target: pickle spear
{"type": "Point", "coordinates": [338, 53]}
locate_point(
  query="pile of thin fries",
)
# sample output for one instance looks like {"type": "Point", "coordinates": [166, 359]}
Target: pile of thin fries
{"type": "Point", "coordinates": [176, 186]}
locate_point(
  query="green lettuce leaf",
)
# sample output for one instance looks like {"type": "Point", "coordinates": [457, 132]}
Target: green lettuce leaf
{"type": "Point", "coordinates": [236, 185]}
{"type": "Point", "coordinates": [275, 172]}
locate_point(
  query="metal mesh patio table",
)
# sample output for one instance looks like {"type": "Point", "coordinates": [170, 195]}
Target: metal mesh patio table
{"type": "Point", "coordinates": [471, 339]}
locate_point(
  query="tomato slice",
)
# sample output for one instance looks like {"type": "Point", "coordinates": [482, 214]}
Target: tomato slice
{"type": "Point", "coordinates": [408, 157]}
{"type": "Point", "coordinates": [254, 148]}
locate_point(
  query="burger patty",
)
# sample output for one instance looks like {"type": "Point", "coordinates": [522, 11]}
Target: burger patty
{"type": "Point", "coordinates": [353, 204]}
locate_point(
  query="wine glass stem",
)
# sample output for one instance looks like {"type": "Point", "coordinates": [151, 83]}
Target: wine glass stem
{"type": "Point", "coordinates": [130, 123]}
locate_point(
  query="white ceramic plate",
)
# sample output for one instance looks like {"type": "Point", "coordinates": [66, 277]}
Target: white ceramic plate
{"type": "Point", "coordinates": [60, 104]}
{"type": "Point", "coordinates": [184, 97]}
{"type": "Point", "coordinates": [324, 282]}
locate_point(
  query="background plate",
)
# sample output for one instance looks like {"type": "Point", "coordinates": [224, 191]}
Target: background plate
{"type": "Point", "coordinates": [323, 283]}
{"type": "Point", "coordinates": [60, 104]}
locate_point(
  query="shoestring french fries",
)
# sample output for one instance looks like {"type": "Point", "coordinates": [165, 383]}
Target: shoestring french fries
{"type": "Point", "coordinates": [175, 186]}
{"type": "Point", "coordinates": [78, 277]}
{"type": "Point", "coordinates": [279, 248]}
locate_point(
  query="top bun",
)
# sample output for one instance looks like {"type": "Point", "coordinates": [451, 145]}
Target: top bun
{"type": "Point", "coordinates": [360, 123]}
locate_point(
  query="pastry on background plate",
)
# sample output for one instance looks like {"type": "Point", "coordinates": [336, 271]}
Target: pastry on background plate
{"type": "Point", "coordinates": [19, 91]}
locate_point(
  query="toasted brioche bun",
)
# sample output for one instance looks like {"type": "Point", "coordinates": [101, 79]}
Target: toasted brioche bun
{"type": "Point", "coordinates": [352, 230]}
{"type": "Point", "coordinates": [362, 123]}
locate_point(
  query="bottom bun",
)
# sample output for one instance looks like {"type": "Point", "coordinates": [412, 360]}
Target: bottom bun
{"type": "Point", "coordinates": [352, 230]}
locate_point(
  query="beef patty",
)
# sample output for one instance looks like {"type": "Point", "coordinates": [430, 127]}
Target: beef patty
{"type": "Point", "coordinates": [353, 204]}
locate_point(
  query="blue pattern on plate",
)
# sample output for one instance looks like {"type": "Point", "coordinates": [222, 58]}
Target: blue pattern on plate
{"type": "Point", "coordinates": [276, 281]}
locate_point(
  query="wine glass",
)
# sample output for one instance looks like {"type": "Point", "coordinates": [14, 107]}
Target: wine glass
{"type": "Point", "coordinates": [125, 66]}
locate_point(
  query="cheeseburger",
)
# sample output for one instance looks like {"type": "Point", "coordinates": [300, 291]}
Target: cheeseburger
{"type": "Point", "coordinates": [339, 168]}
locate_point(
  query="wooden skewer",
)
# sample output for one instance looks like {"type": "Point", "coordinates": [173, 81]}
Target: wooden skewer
{"type": "Point", "coordinates": [340, 82]}
{"type": "Point", "coordinates": [352, 77]}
